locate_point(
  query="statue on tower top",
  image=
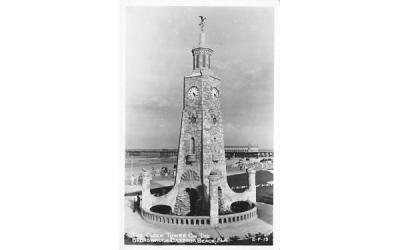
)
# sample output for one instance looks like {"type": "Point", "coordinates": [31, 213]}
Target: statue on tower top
{"type": "Point", "coordinates": [201, 24]}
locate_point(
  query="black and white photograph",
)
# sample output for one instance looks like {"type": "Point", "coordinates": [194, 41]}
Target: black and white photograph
{"type": "Point", "coordinates": [240, 124]}
{"type": "Point", "coordinates": [199, 125]}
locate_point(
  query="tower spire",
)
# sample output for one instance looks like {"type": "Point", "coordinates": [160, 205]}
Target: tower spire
{"type": "Point", "coordinates": [202, 54]}
{"type": "Point", "coordinates": [202, 40]}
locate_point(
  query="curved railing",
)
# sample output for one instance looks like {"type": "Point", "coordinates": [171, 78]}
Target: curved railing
{"type": "Point", "coordinates": [199, 221]}
{"type": "Point", "coordinates": [238, 217]}
{"type": "Point", "coordinates": [191, 221]}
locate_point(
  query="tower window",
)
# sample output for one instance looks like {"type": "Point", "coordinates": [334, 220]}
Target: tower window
{"type": "Point", "coordinates": [192, 146]}
{"type": "Point", "coordinates": [215, 156]}
{"type": "Point", "coordinates": [193, 118]}
{"type": "Point", "coordinates": [214, 118]}
{"type": "Point", "coordinates": [204, 60]}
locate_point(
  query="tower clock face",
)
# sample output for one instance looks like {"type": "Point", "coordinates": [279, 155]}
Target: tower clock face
{"type": "Point", "coordinates": [215, 92]}
{"type": "Point", "coordinates": [193, 92]}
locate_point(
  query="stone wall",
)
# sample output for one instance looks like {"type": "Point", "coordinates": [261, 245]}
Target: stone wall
{"type": "Point", "coordinates": [182, 204]}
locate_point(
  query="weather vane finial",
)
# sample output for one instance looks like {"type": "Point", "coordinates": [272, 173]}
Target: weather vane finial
{"type": "Point", "coordinates": [201, 24]}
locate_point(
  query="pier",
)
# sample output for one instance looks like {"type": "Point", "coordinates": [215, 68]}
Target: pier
{"type": "Point", "coordinates": [230, 151]}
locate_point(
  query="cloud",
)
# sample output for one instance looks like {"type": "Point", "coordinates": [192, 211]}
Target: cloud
{"type": "Point", "coordinates": [153, 102]}
{"type": "Point", "coordinates": [231, 128]}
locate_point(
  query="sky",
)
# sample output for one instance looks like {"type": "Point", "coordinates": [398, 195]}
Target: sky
{"type": "Point", "coordinates": [159, 41]}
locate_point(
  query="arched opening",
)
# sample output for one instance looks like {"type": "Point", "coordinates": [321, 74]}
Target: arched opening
{"type": "Point", "coordinates": [240, 206]}
{"type": "Point", "coordinates": [161, 209]}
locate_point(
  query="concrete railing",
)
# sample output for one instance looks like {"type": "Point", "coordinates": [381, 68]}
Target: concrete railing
{"type": "Point", "coordinates": [199, 221]}
{"type": "Point", "coordinates": [175, 220]}
{"type": "Point", "coordinates": [238, 217]}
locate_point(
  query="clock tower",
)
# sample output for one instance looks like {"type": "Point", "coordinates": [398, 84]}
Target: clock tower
{"type": "Point", "coordinates": [201, 143]}
{"type": "Point", "coordinates": [201, 187]}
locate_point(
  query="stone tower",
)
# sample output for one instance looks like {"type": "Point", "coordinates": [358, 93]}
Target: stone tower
{"type": "Point", "coordinates": [201, 143]}
{"type": "Point", "coordinates": [201, 186]}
